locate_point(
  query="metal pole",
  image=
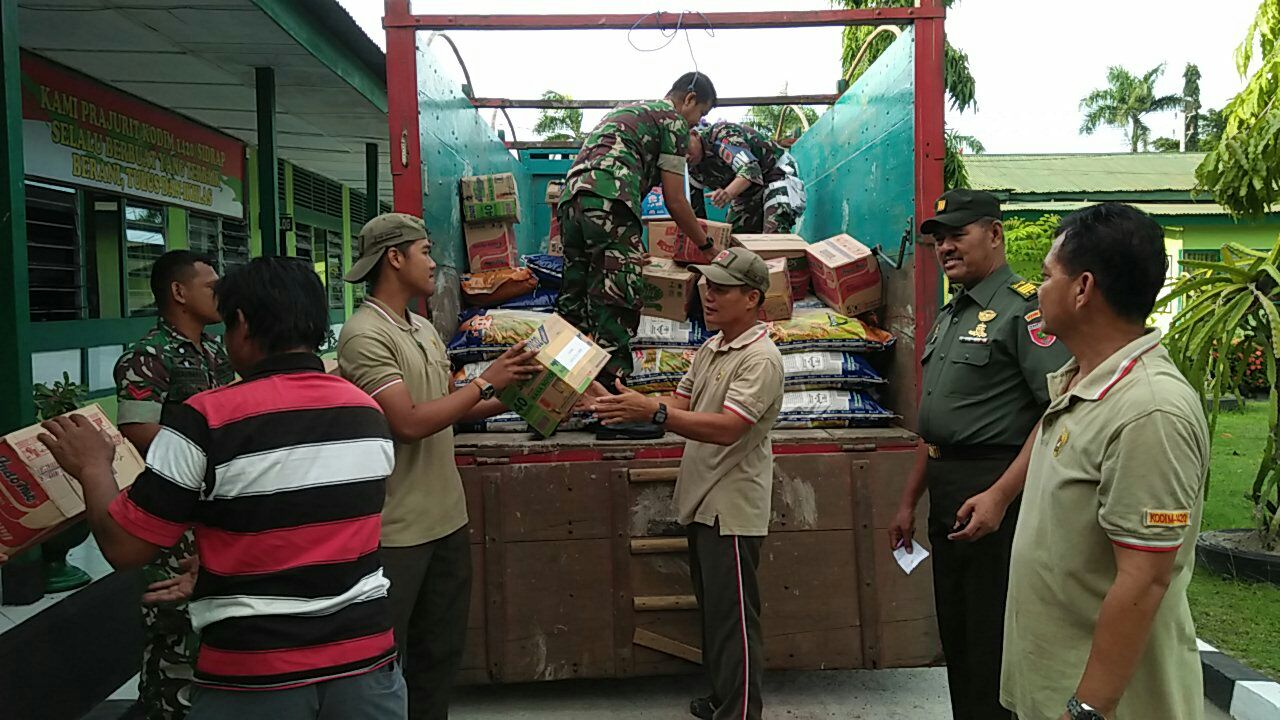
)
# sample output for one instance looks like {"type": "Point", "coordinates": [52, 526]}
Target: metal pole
{"type": "Point", "coordinates": [17, 407]}
{"type": "Point", "coordinates": [930, 155]}
{"type": "Point", "coordinates": [402, 109]}
{"type": "Point", "coordinates": [667, 20]}
{"type": "Point", "coordinates": [371, 204]}
{"type": "Point", "coordinates": [268, 175]}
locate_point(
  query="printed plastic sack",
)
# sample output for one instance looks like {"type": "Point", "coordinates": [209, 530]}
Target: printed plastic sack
{"type": "Point", "coordinates": [659, 370]}
{"type": "Point", "coordinates": [549, 269]}
{"type": "Point", "coordinates": [540, 300]}
{"type": "Point", "coordinates": [826, 370]}
{"type": "Point", "coordinates": [485, 337]}
{"type": "Point", "coordinates": [824, 329]}
{"type": "Point", "coordinates": [830, 409]}
{"type": "Point", "coordinates": [490, 288]}
{"type": "Point", "coordinates": [656, 332]}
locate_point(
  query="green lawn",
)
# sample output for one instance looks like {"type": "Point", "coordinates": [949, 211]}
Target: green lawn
{"type": "Point", "coordinates": [1242, 619]}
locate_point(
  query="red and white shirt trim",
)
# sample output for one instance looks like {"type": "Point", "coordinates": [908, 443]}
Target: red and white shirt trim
{"type": "Point", "coordinates": [1127, 365]}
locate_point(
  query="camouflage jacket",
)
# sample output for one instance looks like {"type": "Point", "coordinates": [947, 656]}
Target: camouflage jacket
{"type": "Point", "coordinates": [730, 151]}
{"type": "Point", "coordinates": [624, 157]}
{"type": "Point", "coordinates": [165, 367]}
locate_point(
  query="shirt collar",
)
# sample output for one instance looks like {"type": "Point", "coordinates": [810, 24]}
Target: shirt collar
{"type": "Point", "coordinates": [286, 363]}
{"type": "Point", "coordinates": [408, 324]}
{"type": "Point", "coordinates": [985, 291]}
{"type": "Point", "coordinates": [171, 330]}
{"type": "Point", "coordinates": [1097, 384]}
{"type": "Point", "coordinates": [756, 332]}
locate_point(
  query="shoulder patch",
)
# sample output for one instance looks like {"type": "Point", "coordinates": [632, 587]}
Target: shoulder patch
{"type": "Point", "coordinates": [1032, 316]}
{"type": "Point", "coordinates": [1026, 289]}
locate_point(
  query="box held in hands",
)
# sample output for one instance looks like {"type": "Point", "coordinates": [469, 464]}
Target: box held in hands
{"type": "Point", "coordinates": [667, 240]}
{"type": "Point", "coordinates": [570, 361]}
{"type": "Point", "coordinates": [36, 497]}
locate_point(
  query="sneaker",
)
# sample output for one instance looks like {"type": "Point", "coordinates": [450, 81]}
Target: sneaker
{"type": "Point", "coordinates": [702, 707]}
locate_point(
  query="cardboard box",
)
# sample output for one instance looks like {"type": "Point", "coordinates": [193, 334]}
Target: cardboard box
{"type": "Point", "coordinates": [36, 496]}
{"type": "Point", "coordinates": [846, 275]}
{"type": "Point", "coordinates": [777, 305]}
{"type": "Point", "coordinates": [666, 240]}
{"type": "Point", "coordinates": [555, 188]}
{"type": "Point", "coordinates": [570, 361]}
{"type": "Point", "coordinates": [486, 198]}
{"type": "Point", "coordinates": [668, 289]}
{"type": "Point", "coordinates": [792, 247]}
{"type": "Point", "coordinates": [555, 243]}
{"type": "Point", "coordinates": [491, 246]}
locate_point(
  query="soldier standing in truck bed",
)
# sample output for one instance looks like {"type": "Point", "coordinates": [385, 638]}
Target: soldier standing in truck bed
{"type": "Point", "coordinates": [741, 167]}
{"type": "Point", "coordinates": [985, 367]}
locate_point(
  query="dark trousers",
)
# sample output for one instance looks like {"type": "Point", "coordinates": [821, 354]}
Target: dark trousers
{"type": "Point", "coordinates": [725, 582]}
{"type": "Point", "coordinates": [970, 582]}
{"type": "Point", "coordinates": [376, 695]}
{"type": "Point", "coordinates": [430, 601]}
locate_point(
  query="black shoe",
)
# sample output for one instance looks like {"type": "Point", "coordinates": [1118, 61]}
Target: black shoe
{"type": "Point", "coordinates": [630, 431]}
{"type": "Point", "coordinates": [702, 707]}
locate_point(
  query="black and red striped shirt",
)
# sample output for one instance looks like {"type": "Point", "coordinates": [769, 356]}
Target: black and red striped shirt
{"type": "Point", "coordinates": [283, 477]}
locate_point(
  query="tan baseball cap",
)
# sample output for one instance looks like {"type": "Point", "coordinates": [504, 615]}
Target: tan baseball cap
{"type": "Point", "coordinates": [737, 266]}
{"type": "Point", "coordinates": [380, 233]}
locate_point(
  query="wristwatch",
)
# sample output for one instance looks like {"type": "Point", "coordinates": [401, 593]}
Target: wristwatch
{"type": "Point", "coordinates": [1080, 711]}
{"type": "Point", "coordinates": [487, 390]}
{"type": "Point", "coordinates": [706, 246]}
{"type": "Point", "coordinates": [660, 417]}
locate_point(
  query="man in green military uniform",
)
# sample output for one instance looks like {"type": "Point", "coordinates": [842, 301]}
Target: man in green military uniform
{"type": "Point", "coordinates": [985, 363]}
{"type": "Point", "coordinates": [634, 148]}
{"type": "Point", "coordinates": [750, 173]}
{"type": "Point", "coordinates": [171, 363]}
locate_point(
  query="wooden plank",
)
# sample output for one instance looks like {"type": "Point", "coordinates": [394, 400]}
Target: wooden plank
{"type": "Point", "coordinates": [809, 593]}
{"type": "Point", "coordinates": [662, 644]}
{"type": "Point", "coordinates": [864, 545]}
{"type": "Point", "coordinates": [473, 488]}
{"type": "Point", "coordinates": [559, 611]}
{"type": "Point", "coordinates": [910, 643]}
{"type": "Point", "coordinates": [649, 546]}
{"type": "Point", "coordinates": [679, 625]}
{"type": "Point", "coordinates": [623, 616]}
{"type": "Point", "coordinates": [555, 501]}
{"type": "Point", "coordinates": [811, 492]}
{"type": "Point", "coordinates": [660, 574]}
{"type": "Point", "coordinates": [643, 475]}
{"type": "Point", "coordinates": [651, 510]}
{"type": "Point", "coordinates": [652, 603]}
{"type": "Point", "coordinates": [513, 443]}
{"type": "Point", "coordinates": [494, 581]}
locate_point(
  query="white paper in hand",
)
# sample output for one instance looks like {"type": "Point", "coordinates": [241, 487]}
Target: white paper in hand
{"type": "Point", "coordinates": [908, 561]}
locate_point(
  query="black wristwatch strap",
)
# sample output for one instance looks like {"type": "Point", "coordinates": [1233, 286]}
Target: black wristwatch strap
{"type": "Point", "coordinates": [1080, 711]}
{"type": "Point", "coordinates": [706, 246]}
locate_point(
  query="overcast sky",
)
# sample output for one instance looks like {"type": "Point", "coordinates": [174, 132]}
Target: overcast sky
{"type": "Point", "coordinates": [1033, 59]}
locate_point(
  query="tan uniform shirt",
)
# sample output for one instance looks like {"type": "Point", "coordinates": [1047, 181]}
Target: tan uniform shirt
{"type": "Point", "coordinates": [377, 350]}
{"type": "Point", "coordinates": [732, 484]}
{"type": "Point", "coordinates": [1120, 460]}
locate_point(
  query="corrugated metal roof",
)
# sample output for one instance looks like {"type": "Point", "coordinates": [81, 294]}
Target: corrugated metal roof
{"type": "Point", "coordinates": [1063, 207]}
{"type": "Point", "coordinates": [1119, 172]}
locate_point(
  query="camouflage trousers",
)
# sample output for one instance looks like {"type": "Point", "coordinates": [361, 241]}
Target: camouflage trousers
{"type": "Point", "coordinates": [749, 215]}
{"type": "Point", "coordinates": [169, 644]}
{"type": "Point", "coordinates": [603, 287]}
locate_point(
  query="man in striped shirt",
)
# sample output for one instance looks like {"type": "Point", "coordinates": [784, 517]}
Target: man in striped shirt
{"type": "Point", "coordinates": [283, 476]}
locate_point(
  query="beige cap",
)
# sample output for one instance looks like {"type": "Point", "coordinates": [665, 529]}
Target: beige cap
{"type": "Point", "coordinates": [737, 266]}
{"type": "Point", "coordinates": [380, 233]}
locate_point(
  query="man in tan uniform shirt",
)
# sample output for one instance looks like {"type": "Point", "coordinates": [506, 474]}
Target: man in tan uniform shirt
{"type": "Point", "coordinates": [398, 358]}
{"type": "Point", "coordinates": [1097, 624]}
{"type": "Point", "coordinates": [726, 406]}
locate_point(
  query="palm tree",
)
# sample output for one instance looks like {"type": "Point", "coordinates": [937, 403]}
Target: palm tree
{"type": "Point", "coordinates": [1124, 102]}
{"type": "Point", "coordinates": [559, 124]}
{"type": "Point", "coordinates": [765, 118]}
{"type": "Point", "coordinates": [954, 173]}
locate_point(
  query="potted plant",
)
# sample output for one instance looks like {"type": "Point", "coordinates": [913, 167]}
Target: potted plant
{"type": "Point", "coordinates": [1232, 304]}
{"type": "Point", "coordinates": [51, 401]}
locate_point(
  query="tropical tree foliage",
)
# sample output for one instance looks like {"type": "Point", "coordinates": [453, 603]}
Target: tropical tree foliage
{"type": "Point", "coordinates": [1233, 303]}
{"type": "Point", "coordinates": [1191, 106]}
{"type": "Point", "coordinates": [954, 173]}
{"type": "Point", "coordinates": [1126, 100]}
{"type": "Point", "coordinates": [1027, 242]}
{"type": "Point", "coordinates": [765, 118]}
{"type": "Point", "coordinates": [559, 124]}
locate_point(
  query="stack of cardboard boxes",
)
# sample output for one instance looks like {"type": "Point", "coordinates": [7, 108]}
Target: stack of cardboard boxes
{"type": "Point", "coordinates": [490, 208]}
{"type": "Point", "coordinates": [555, 246]}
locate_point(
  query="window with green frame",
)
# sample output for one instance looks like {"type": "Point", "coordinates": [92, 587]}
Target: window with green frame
{"type": "Point", "coordinates": [1202, 255]}
{"type": "Point", "coordinates": [144, 243]}
{"type": "Point", "coordinates": [333, 269]}
{"type": "Point", "coordinates": [223, 239]}
{"type": "Point", "coordinates": [56, 270]}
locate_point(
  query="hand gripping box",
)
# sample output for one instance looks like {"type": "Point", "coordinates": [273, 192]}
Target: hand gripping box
{"type": "Point", "coordinates": [666, 240]}
{"type": "Point", "coordinates": [36, 496]}
{"type": "Point", "coordinates": [570, 361]}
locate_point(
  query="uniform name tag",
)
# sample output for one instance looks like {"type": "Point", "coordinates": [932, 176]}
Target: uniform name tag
{"type": "Point", "coordinates": [1167, 518]}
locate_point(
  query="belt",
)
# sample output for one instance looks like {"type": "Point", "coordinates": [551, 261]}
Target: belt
{"type": "Point", "coordinates": [971, 452]}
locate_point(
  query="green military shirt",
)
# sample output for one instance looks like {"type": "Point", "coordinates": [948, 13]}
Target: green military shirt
{"type": "Point", "coordinates": [985, 363]}
{"type": "Point", "coordinates": [625, 155]}
{"type": "Point", "coordinates": [731, 151]}
{"type": "Point", "coordinates": [164, 366]}
{"type": "Point", "coordinates": [1120, 460]}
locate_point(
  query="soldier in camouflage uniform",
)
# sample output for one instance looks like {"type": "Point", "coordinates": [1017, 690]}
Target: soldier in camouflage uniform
{"type": "Point", "coordinates": [634, 148]}
{"type": "Point", "coordinates": [171, 363]}
{"type": "Point", "coordinates": [741, 167]}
